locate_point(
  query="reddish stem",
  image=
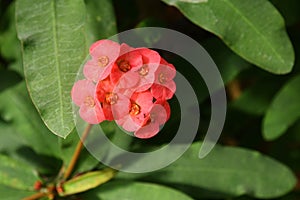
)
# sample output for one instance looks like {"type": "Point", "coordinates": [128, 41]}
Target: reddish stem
{"type": "Point", "coordinates": [77, 152]}
{"type": "Point", "coordinates": [70, 167]}
{"type": "Point", "coordinates": [36, 196]}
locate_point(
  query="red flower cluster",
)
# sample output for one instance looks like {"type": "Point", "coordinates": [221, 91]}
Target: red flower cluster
{"type": "Point", "coordinates": [125, 84]}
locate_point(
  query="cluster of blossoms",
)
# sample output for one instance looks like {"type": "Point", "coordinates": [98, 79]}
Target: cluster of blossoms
{"type": "Point", "coordinates": [125, 84]}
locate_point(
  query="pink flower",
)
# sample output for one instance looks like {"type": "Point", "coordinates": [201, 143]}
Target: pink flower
{"type": "Point", "coordinates": [140, 105]}
{"type": "Point", "coordinates": [151, 60]}
{"type": "Point", "coordinates": [124, 64]}
{"type": "Point", "coordinates": [157, 116]}
{"type": "Point", "coordinates": [83, 95]}
{"type": "Point", "coordinates": [132, 88]}
{"type": "Point", "coordinates": [111, 98]}
{"type": "Point", "coordinates": [103, 53]}
{"type": "Point", "coordinates": [124, 48]}
{"type": "Point", "coordinates": [164, 87]}
{"type": "Point", "coordinates": [140, 64]}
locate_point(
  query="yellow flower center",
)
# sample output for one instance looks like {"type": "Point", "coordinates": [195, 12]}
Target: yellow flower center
{"type": "Point", "coordinates": [143, 71]}
{"type": "Point", "coordinates": [124, 65]}
{"type": "Point", "coordinates": [89, 101]}
{"type": "Point", "coordinates": [111, 98]}
{"type": "Point", "coordinates": [103, 61]}
{"type": "Point", "coordinates": [162, 78]}
{"type": "Point", "coordinates": [135, 109]}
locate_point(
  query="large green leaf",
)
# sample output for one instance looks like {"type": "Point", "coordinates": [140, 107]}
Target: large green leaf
{"type": "Point", "coordinates": [284, 110]}
{"type": "Point", "coordinates": [23, 123]}
{"type": "Point", "coordinates": [10, 193]}
{"type": "Point", "coordinates": [229, 64]}
{"type": "Point", "coordinates": [16, 175]}
{"type": "Point", "coordinates": [254, 29]}
{"type": "Point", "coordinates": [229, 170]}
{"type": "Point", "coordinates": [53, 46]}
{"type": "Point", "coordinates": [123, 190]}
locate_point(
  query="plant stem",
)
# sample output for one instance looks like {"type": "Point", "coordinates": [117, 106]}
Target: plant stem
{"type": "Point", "coordinates": [36, 196]}
{"type": "Point", "coordinates": [77, 152]}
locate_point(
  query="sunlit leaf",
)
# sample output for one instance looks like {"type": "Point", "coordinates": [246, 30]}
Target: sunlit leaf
{"type": "Point", "coordinates": [86, 181]}
{"type": "Point", "coordinates": [16, 175]}
{"type": "Point", "coordinates": [10, 193]}
{"type": "Point", "coordinates": [53, 48]}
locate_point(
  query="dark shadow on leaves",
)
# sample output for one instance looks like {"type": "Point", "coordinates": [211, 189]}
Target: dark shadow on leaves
{"type": "Point", "coordinates": [45, 165]}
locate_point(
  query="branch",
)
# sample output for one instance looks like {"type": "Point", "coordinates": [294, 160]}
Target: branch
{"type": "Point", "coordinates": [77, 152]}
{"type": "Point", "coordinates": [36, 196]}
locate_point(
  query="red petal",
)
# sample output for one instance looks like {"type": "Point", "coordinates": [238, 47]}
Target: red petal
{"type": "Point", "coordinates": [121, 108]}
{"type": "Point", "coordinates": [107, 112]}
{"type": "Point", "coordinates": [147, 131]}
{"type": "Point", "coordinates": [103, 87]}
{"type": "Point", "coordinates": [128, 124]}
{"type": "Point", "coordinates": [125, 49]}
{"type": "Point", "coordinates": [101, 48]}
{"type": "Point", "coordinates": [92, 71]}
{"type": "Point", "coordinates": [92, 115]}
{"type": "Point", "coordinates": [167, 71]}
{"type": "Point", "coordinates": [163, 92]}
{"type": "Point", "coordinates": [144, 100]}
{"type": "Point", "coordinates": [164, 62]}
{"type": "Point", "coordinates": [164, 110]}
{"type": "Point", "coordinates": [107, 48]}
{"type": "Point", "coordinates": [128, 80]}
{"type": "Point", "coordinates": [134, 59]}
{"type": "Point", "coordinates": [149, 56]}
{"type": "Point", "coordinates": [82, 89]}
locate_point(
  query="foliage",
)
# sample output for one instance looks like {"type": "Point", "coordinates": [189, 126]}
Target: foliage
{"type": "Point", "coordinates": [255, 44]}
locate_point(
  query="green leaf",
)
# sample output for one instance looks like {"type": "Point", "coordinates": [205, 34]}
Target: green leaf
{"type": "Point", "coordinates": [9, 140]}
{"type": "Point", "coordinates": [229, 170]}
{"type": "Point", "coordinates": [12, 194]}
{"type": "Point", "coordinates": [134, 191]}
{"type": "Point", "coordinates": [44, 165]}
{"type": "Point", "coordinates": [229, 64]}
{"type": "Point", "coordinates": [22, 120]}
{"type": "Point", "coordinates": [283, 111]}
{"type": "Point", "coordinates": [8, 78]}
{"type": "Point", "coordinates": [101, 22]}
{"type": "Point", "coordinates": [53, 48]}
{"type": "Point", "coordinates": [85, 162]}
{"type": "Point", "coordinates": [9, 43]}
{"type": "Point", "coordinates": [16, 175]}
{"type": "Point", "coordinates": [253, 29]}
{"type": "Point", "coordinates": [257, 98]}
{"type": "Point", "coordinates": [86, 181]}
{"type": "Point", "coordinates": [117, 136]}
